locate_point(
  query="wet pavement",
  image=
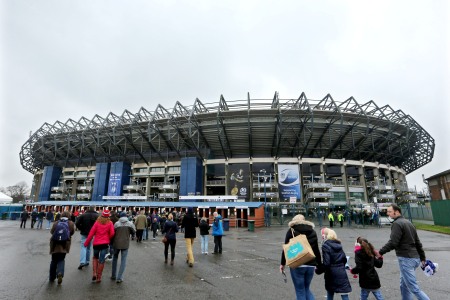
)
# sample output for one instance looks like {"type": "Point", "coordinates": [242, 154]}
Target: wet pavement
{"type": "Point", "coordinates": [247, 268]}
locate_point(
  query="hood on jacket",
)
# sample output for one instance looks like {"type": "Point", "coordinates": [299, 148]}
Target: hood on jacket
{"type": "Point", "coordinates": [300, 222]}
{"type": "Point", "coordinates": [123, 219]}
{"type": "Point", "coordinates": [334, 245]}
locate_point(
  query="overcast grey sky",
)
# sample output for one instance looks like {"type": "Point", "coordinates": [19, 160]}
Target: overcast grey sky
{"type": "Point", "coordinates": [67, 59]}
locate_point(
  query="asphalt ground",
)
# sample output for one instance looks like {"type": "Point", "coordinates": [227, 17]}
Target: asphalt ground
{"type": "Point", "coordinates": [248, 268]}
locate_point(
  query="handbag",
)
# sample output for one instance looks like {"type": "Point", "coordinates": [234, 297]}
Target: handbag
{"type": "Point", "coordinates": [164, 239]}
{"type": "Point", "coordinates": [298, 251]}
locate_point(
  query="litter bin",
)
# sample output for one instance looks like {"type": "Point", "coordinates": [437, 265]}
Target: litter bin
{"type": "Point", "coordinates": [226, 224]}
{"type": "Point", "coordinates": [251, 225]}
{"type": "Point", "coordinates": [13, 216]}
{"type": "Point", "coordinates": [4, 216]}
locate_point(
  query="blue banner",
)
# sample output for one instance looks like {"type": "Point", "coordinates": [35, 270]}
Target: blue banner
{"type": "Point", "coordinates": [115, 181]}
{"type": "Point", "coordinates": [289, 182]}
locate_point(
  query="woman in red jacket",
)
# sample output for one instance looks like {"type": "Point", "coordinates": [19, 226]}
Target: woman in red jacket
{"type": "Point", "coordinates": [103, 230]}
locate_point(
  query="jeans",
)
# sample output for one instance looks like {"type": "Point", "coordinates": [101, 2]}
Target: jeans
{"type": "Point", "coordinates": [39, 224]}
{"type": "Point", "coordinates": [172, 243]}
{"type": "Point", "coordinates": [217, 244]}
{"type": "Point", "coordinates": [365, 294]}
{"type": "Point", "coordinates": [49, 224]}
{"type": "Point", "coordinates": [85, 252]}
{"type": "Point", "coordinates": [190, 254]}
{"type": "Point", "coordinates": [408, 284]}
{"type": "Point", "coordinates": [302, 277]}
{"type": "Point", "coordinates": [330, 296]}
{"type": "Point", "coordinates": [57, 265]}
{"type": "Point", "coordinates": [145, 234]}
{"type": "Point", "coordinates": [204, 239]}
{"type": "Point", "coordinates": [101, 254]}
{"type": "Point", "coordinates": [123, 263]}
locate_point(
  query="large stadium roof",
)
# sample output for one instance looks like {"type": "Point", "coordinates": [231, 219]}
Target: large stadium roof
{"type": "Point", "coordinates": [274, 127]}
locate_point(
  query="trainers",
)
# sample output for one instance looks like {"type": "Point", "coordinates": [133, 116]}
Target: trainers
{"type": "Point", "coordinates": [113, 278]}
{"type": "Point", "coordinates": [60, 277]}
{"type": "Point", "coordinates": [119, 281]}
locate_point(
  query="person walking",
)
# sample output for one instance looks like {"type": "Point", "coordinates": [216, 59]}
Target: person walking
{"type": "Point", "coordinates": [170, 229]}
{"type": "Point", "coordinates": [60, 246]}
{"type": "Point", "coordinates": [49, 217]}
{"type": "Point", "coordinates": [333, 264]}
{"type": "Point", "coordinates": [331, 219]}
{"type": "Point", "coordinates": [303, 275]}
{"type": "Point", "coordinates": [103, 231]}
{"type": "Point", "coordinates": [123, 229]}
{"type": "Point", "coordinates": [84, 224]}
{"type": "Point", "coordinates": [204, 234]}
{"type": "Point", "coordinates": [34, 215]}
{"type": "Point", "coordinates": [114, 217]}
{"type": "Point", "coordinates": [24, 218]}
{"type": "Point", "coordinates": [217, 232]}
{"type": "Point", "coordinates": [366, 261]}
{"type": "Point", "coordinates": [154, 227]}
{"type": "Point", "coordinates": [408, 248]}
{"type": "Point", "coordinates": [141, 223]}
{"type": "Point", "coordinates": [41, 216]}
{"type": "Point", "coordinates": [189, 223]}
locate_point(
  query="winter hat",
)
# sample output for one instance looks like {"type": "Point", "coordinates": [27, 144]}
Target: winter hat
{"type": "Point", "coordinates": [122, 214]}
{"type": "Point", "coordinates": [324, 233]}
{"type": "Point", "coordinates": [106, 213]}
{"type": "Point", "coordinates": [190, 210]}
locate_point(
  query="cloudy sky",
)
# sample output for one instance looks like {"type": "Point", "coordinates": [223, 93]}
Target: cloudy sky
{"type": "Point", "coordinates": [67, 59]}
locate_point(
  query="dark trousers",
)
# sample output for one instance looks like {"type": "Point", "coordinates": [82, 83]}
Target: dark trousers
{"type": "Point", "coordinates": [217, 244]}
{"type": "Point", "coordinates": [33, 222]}
{"type": "Point", "coordinates": [139, 233]}
{"type": "Point", "coordinates": [172, 244]}
{"type": "Point", "coordinates": [57, 265]}
{"type": "Point", "coordinates": [331, 224]}
{"type": "Point", "coordinates": [24, 223]}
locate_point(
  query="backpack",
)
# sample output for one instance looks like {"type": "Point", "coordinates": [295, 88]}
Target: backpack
{"type": "Point", "coordinates": [62, 232]}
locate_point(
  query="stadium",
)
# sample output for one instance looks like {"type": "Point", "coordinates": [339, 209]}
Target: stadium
{"type": "Point", "coordinates": [241, 155]}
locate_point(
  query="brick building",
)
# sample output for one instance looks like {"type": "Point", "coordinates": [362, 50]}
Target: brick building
{"type": "Point", "coordinates": [439, 185]}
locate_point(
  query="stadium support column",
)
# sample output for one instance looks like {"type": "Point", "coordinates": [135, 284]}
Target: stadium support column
{"type": "Point", "coordinates": [50, 178]}
{"type": "Point", "coordinates": [345, 183]}
{"type": "Point", "coordinates": [362, 179]}
{"type": "Point", "coordinates": [191, 176]}
{"type": "Point", "coordinates": [101, 181]}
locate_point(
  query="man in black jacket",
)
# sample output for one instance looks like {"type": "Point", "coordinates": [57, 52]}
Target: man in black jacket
{"type": "Point", "coordinates": [189, 223]}
{"type": "Point", "coordinates": [408, 248]}
{"type": "Point", "coordinates": [84, 225]}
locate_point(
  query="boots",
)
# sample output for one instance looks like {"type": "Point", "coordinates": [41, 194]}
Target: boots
{"type": "Point", "coordinates": [94, 269]}
{"type": "Point", "coordinates": [100, 271]}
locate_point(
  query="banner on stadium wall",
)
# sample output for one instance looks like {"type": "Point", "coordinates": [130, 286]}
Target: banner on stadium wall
{"type": "Point", "coordinates": [239, 181]}
{"type": "Point", "coordinates": [115, 180]}
{"type": "Point", "coordinates": [289, 182]}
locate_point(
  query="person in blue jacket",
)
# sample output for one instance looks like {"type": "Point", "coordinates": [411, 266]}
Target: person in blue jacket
{"type": "Point", "coordinates": [334, 260]}
{"type": "Point", "coordinates": [217, 232]}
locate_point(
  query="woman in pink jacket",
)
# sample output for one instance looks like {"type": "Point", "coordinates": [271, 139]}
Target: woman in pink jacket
{"type": "Point", "coordinates": [103, 230]}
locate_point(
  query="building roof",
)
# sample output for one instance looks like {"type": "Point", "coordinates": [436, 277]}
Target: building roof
{"type": "Point", "coordinates": [245, 128]}
{"type": "Point", "coordinates": [439, 175]}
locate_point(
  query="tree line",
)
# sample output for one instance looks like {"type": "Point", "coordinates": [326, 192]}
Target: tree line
{"type": "Point", "coordinates": [19, 192]}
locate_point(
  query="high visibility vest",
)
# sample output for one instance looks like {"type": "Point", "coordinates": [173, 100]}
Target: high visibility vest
{"type": "Point", "coordinates": [330, 217]}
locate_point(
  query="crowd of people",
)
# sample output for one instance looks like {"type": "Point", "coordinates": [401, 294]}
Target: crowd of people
{"type": "Point", "coordinates": [109, 234]}
{"type": "Point", "coordinates": [333, 262]}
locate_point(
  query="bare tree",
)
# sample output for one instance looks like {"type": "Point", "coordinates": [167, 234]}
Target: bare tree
{"type": "Point", "coordinates": [18, 192]}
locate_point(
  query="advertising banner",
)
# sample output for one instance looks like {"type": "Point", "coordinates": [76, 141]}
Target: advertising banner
{"type": "Point", "coordinates": [239, 181]}
{"type": "Point", "coordinates": [115, 180]}
{"type": "Point", "coordinates": [289, 182]}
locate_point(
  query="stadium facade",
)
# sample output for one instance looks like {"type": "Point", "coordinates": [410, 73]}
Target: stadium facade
{"type": "Point", "coordinates": [312, 153]}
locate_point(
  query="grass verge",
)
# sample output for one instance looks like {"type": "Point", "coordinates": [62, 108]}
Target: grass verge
{"type": "Point", "coordinates": [433, 228]}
